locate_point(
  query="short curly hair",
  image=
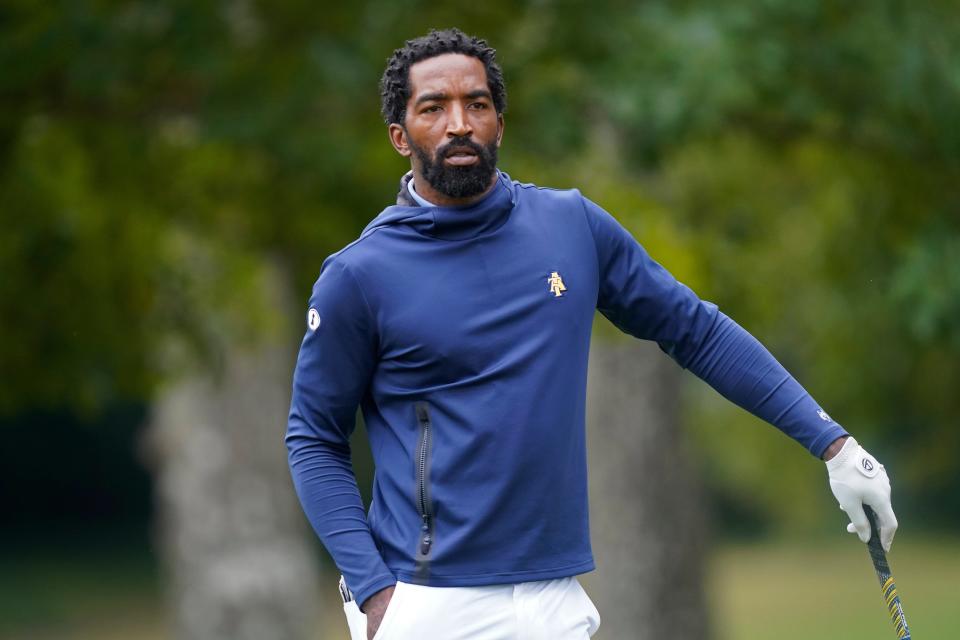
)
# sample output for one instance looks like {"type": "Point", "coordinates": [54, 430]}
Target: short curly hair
{"type": "Point", "coordinates": [395, 83]}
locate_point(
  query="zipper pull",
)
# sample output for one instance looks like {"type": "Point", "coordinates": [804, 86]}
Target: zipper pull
{"type": "Point", "coordinates": [426, 539]}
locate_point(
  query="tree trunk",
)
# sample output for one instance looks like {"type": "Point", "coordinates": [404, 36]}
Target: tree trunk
{"type": "Point", "coordinates": [235, 546]}
{"type": "Point", "coordinates": [647, 519]}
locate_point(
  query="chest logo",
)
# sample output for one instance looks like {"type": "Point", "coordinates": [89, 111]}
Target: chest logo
{"type": "Point", "coordinates": [556, 284]}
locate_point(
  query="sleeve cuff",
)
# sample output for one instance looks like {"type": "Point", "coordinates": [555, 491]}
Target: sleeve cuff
{"type": "Point", "coordinates": [824, 439]}
{"type": "Point", "coordinates": [381, 582]}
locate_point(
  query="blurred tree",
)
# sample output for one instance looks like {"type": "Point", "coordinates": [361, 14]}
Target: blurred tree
{"type": "Point", "coordinates": [647, 519]}
{"type": "Point", "coordinates": [232, 538]}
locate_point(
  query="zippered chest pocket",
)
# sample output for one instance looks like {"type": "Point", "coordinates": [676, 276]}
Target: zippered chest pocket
{"type": "Point", "coordinates": [424, 505]}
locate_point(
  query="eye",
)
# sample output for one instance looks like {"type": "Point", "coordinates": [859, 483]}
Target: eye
{"type": "Point", "coordinates": [478, 105]}
{"type": "Point", "coordinates": [431, 109]}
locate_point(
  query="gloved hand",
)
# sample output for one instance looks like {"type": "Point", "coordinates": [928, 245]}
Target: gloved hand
{"type": "Point", "coordinates": [856, 479]}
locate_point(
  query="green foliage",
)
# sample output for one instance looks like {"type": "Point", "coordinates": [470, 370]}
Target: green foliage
{"type": "Point", "coordinates": [795, 161]}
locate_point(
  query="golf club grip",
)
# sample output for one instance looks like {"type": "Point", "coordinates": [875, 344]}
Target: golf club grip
{"type": "Point", "coordinates": [887, 585]}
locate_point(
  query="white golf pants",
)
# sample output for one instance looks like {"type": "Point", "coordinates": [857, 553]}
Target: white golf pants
{"type": "Point", "coordinates": [547, 610]}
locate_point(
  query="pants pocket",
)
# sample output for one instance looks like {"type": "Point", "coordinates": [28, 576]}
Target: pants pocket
{"type": "Point", "coordinates": [356, 621]}
{"type": "Point", "coordinates": [391, 614]}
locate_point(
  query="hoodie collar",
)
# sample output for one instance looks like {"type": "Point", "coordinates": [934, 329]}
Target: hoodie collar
{"type": "Point", "coordinates": [450, 223]}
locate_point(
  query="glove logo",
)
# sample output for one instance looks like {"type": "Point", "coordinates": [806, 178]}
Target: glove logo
{"type": "Point", "coordinates": [867, 465]}
{"type": "Point", "coordinates": [313, 319]}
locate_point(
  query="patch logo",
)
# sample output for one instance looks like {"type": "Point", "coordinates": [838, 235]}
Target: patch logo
{"type": "Point", "coordinates": [824, 416]}
{"type": "Point", "coordinates": [313, 319]}
{"type": "Point", "coordinates": [556, 284]}
{"type": "Point", "coordinates": [867, 465]}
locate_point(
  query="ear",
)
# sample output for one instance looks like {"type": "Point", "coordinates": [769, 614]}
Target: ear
{"type": "Point", "coordinates": [499, 129]}
{"type": "Point", "coordinates": [398, 138]}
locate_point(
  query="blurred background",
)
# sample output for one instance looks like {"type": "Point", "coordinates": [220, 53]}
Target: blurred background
{"type": "Point", "coordinates": [173, 173]}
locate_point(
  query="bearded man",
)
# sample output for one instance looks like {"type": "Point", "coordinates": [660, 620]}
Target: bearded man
{"type": "Point", "coordinates": [459, 323]}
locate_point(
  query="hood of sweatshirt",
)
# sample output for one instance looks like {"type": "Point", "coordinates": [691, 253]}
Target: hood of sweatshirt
{"type": "Point", "coordinates": [449, 223]}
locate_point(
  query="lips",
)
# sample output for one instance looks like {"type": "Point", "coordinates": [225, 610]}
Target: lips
{"type": "Point", "coordinates": [461, 156]}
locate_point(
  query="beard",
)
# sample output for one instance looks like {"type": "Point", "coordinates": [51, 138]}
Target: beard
{"type": "Point", "coordinates": [458, 181]}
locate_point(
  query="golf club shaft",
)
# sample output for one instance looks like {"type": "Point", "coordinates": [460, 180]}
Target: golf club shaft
{"type": "Point", "coordinates": [887, 585]}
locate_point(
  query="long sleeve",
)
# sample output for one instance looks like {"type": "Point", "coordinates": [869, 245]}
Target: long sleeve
{"type": "Point", "coordinates": [642, 299]}
{"type": "Point", "coordinates": [336, 360]}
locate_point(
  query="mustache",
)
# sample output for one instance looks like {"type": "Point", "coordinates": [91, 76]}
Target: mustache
{"type": "Point", "coordinates": [459, 144]}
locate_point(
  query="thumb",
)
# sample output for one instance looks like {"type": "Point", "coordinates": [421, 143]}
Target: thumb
{"type": "Point", "coordinates": [859, 522]}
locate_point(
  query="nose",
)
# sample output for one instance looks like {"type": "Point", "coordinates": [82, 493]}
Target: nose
{"type": "Point", "coordinates": [458, 124]}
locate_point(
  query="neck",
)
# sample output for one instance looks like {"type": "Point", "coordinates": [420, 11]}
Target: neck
{"type": "Point", "coordinates": [428, 193]}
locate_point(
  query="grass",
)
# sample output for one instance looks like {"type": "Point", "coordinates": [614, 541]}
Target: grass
{"type": "Point", "coordinates": [773, 590]}
{"type": "Point", "coordinates": [793, 592]}
{"type": "Point", "coordinates": [70, 593]}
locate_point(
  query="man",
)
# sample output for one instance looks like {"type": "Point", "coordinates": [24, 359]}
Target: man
{"type": "Point", "coordinates": [459, 322]}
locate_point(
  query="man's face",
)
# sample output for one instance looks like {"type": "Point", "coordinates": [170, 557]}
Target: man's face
{"type": "Point", "coordinates": [452, 129]}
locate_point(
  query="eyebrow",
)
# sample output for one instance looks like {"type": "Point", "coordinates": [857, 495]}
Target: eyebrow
{"type": "Point", "coordinates": [440, 95]}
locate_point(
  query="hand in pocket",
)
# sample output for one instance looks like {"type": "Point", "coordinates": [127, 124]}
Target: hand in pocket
{"type": "Point", "coordinates": [375, 608]}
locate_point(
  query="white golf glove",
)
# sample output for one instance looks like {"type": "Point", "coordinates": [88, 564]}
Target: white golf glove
{"type": "Point", "coordinates": [856, 479]}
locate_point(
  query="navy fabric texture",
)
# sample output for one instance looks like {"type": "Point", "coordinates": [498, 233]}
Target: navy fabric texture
{"type": "Point", "coordinates": [452, 316]}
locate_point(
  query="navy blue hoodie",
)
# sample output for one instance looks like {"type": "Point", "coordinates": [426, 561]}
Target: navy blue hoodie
{"type": "Point", "coordinates": [462, 334]}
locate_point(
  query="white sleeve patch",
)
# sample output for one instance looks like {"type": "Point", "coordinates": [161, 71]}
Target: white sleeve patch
{"type": "Point", "coordinates": [313, 319]}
